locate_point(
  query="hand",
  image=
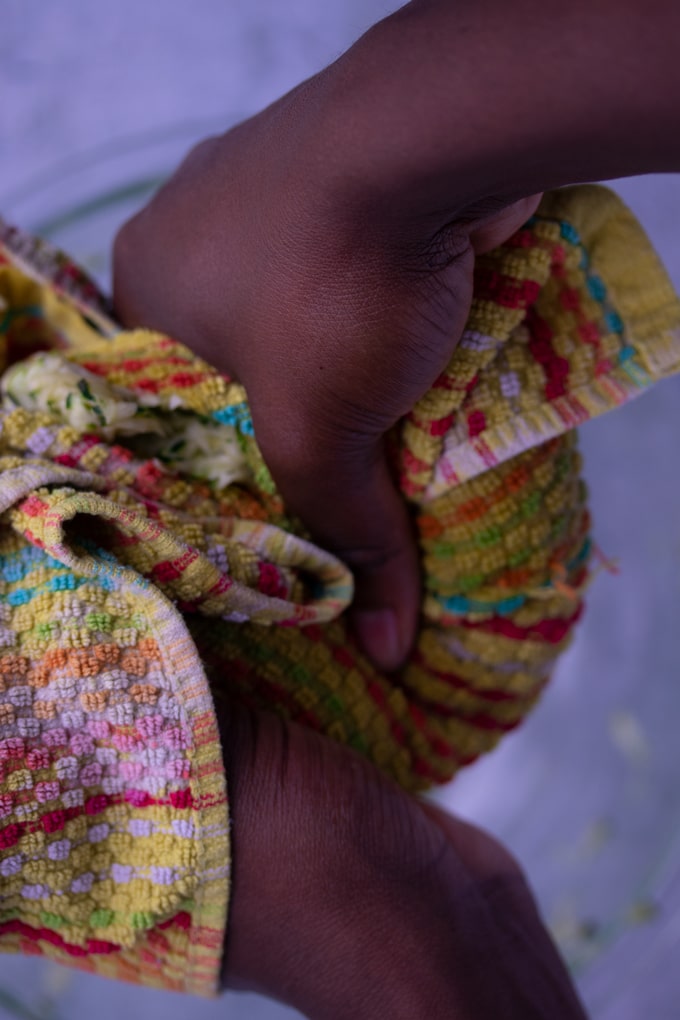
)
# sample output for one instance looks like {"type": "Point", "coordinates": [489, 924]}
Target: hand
{"type": "Point", "coordinates": [322, 251]}
{"type": "Point", "coordinates": [352, 899]}
{"type": "Point", "coordinates": [335, 310]}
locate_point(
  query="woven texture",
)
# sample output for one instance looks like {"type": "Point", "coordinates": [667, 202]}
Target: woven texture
{"type": "Point", "coordinates": [145, 558]}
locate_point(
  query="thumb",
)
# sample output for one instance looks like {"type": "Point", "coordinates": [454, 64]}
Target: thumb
{"type": "Point", "coordinates": [383, 557]}
{"type": "Point", "coordinates": [351, 506]}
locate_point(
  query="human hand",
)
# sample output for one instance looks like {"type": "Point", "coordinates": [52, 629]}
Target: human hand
{"type": "Point", "coordinates": [322, 251]}
{"type": "Point", "coordinates": [336, 314]}
{"type": "Point", "coordinates": [352, 899]}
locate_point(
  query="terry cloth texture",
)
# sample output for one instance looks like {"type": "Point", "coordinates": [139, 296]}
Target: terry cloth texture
{"type": "Point", "coordinates": [146, 556]}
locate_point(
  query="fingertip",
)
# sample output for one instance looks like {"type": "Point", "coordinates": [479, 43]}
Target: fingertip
{"type": "Point", "coordinates": [365, 522]}
{"type": "Point", "coordinates": [498, 228]}
{"type": "Point", "coordinates": [378, 634]}
{"type": "Point", "coordinates": [385, 615]}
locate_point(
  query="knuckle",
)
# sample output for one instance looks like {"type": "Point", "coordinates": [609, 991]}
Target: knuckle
{"type": "Point", "coordinates": [126, 249]}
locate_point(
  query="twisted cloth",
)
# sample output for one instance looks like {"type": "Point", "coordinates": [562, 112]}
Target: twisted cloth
{"type": "Point", "coordinates": [147, 563]}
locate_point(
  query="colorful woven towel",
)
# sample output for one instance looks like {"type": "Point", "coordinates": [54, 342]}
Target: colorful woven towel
{"type": "Point", "coordinates": [145, 556]}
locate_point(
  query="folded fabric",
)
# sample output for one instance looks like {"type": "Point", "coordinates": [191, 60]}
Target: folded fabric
{"type": "Point", "coordinates": [147, 564]}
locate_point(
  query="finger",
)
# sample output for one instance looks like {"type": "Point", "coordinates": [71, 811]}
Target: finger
{"type": "Point", "coordinates": [384, 559]}
{"type": "Point", "coordinates": [138, 278]}
{"type": "Point", "coordinates": [491, 232]}
{"type": "Point", "coordinates": [351, 506]}
{"type": "Point", "coordinates": [346, 499]}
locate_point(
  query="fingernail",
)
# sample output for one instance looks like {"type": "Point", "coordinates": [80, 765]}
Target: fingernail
{"type": "Point", "coordinates": [377, 632]}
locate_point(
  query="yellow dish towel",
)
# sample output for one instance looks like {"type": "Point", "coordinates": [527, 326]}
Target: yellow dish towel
{"type": "Point", "coordinates": [145, 555]}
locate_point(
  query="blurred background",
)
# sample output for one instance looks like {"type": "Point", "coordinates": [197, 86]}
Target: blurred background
{"type": "Point", "coordinates": [98, 103]}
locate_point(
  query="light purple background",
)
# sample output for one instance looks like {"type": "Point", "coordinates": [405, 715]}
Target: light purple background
{"type": "Point", "coordinates": [78, 75]}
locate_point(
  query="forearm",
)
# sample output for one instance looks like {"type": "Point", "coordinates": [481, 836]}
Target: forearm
{"type": "Point", "coordinates": [443, 103]}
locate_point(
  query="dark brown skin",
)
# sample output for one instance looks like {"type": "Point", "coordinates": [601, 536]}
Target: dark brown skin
{"type": "Point", "coordinates": [350, 899]}
{"type": "Point", "coordinates": [322, 253]}
{"type": "Point", "coordinates": [358, 329]}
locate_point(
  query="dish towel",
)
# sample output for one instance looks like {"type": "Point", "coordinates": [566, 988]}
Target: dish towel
{"type": "Point", "coordinates": [148, 563]}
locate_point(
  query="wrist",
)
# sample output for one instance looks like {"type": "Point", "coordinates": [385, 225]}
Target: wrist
{"type": "Point", "coordinates": [441, 105]}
